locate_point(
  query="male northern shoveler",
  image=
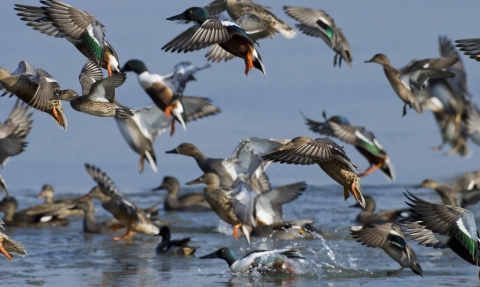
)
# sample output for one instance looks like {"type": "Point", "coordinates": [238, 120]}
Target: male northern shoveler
{"type": "Point", "coordinates": [408, 82]}
{"type": "Point", "coordinates": [246, 158]}
{"type": "Point", "coordinates": [390, 238]}
{"type": "Point", "coordinates": [37, 91]}
{"type": "Point", "coordinates": [8, 245]}
{"type": "Point", "coordinates": [98, 97]}
{"type": "Point", "coordinates": [211, 30]}
{"type": "Point", "coordinates": [80, 28]}
{"type": "Point", "coordinates": [192, 202]}
{"type": "Point", "coordinates": [328, 155]}
{"type": "Point", "coordinates": [364, 141]}
{"type": "Point", "coordinates": [177, 246]}
{"type": "Point", "coordinates": [470, 47]}
{"type": "Point", "coordinates": [247, 263]}
{"type": "Point", "coordinates": [317, 23]}
{"type": "Point", "coordinates": [119, 205]}
{"type": "Point", "coordinates": [441, 226]}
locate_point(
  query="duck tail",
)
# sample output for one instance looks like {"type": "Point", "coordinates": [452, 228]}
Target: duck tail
{"type": "Point", "coordinates": [257, 62]}
{"type": "Point", "coordinates": [123, 113]}
{"type": "Point", "coordinates": [387, 169]}
{"type": "Point", "coordinates": [152, 159]}
{"type": "Point", "coordinates": [287, 31]}
{"type": "Point", "coordinates": [59, 115]}
{"type": "Point", "coordinates": [187, 250]}
{"type": "Point", "coordinates": [357, 193]}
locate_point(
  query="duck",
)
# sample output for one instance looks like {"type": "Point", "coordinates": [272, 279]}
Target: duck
{"type": "Point", "coordinates": [367, 215]}
{"type": "Point", "coordinates": [177, 246]}
{"type": "Point", "coordinates": [254, 209]}
{"type": "Point", "coordinates": [216, 29]}
{"type": "Point", "coordinates": [256, 16]}
{"type": "Point", "coordinates": [119, 205]}
{"type": "Point", "coordinates": [37, 91]}
{"type": "Point", "coordinates": [408, 82]}
{"type": "Point", "coordinates": [287, 230]}
{"type": "Point", "coordinates": [91, 225]}
{"type": "Point", "coordinates": [9, 246]}
{"type": "Point", "coordinates": [48, 192]}
{"type": "Point", "coordinates": [461, 194]}
{"type": "Point", "coordinates": [35, 216]}
{"type": "Point", "coordinates": [389, 237]}
{"type": "Point", "coordinates": [79, 27]}
{"type": "Point", "coordinates": [192, 202]}
{"type": "Point", "coordinates": [448, 99]}
{"type": "Point", "coordinates": [247, 264]}
{"type": "Point", "coordinates": [25, 68]}
{"type": "Point", "coordinates": [364, 141]}
{"type": "Point", "coordinates": [246, 158]}
{"type": "Point", "coordinates": [162, 92]}
{"type": "Point", "coordinates": [98, 97]}
{"type": "Point", "coordinates": [317, 23]}
{"type": "Point", "coordinates": [442, 226]}
{"type": "Point", "coordinates": [470, 47]}
{"type": "Point", "coordinates": [331, 158]}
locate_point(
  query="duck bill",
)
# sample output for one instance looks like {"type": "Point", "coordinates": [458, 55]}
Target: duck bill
{"type": "Point", "coordinates": [174, 151]}
{"type": "Point", "coordinates": [356, 205]}
{"type": "Point", "coordinates": [418, 186]}
{"type": "Point", "coordinates": [195, 181]}
{"type": "Point", "coordinates": [40, 195]}
{"type": "Point", "coordinates": [369, 61]}
{"type": "Point", "coordinates": [210, 256]}
{"type": "Point", "coordinates": [158, 188]}
{"type": "Point", "coordinates": [177, 17]}
{"type": "Point", "coordinates": [85, 198]}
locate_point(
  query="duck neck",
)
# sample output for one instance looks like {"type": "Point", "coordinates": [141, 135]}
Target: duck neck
{"type": "Point", "coordinates": [9, 214]}
{"type": "Point", "coordinates": [49, 199]}
{"type": "Point", "coordinates": [89, 222]}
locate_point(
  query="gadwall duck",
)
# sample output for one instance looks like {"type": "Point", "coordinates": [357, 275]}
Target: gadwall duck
{"type": "Point", "coordinates": [98, 93]}
{"type": "Point", "coordinates": [328, 155]}
{"type": "Point", "coordinates": [364, 141]}
{"type": "Point", "coordinates": [177, 246]}
{"type": "Point", "coordinates": [246, 158]}
{"type": "Point", "coordinates": [441, 226]}
{"type": "Point", "coordinates": [247, 263]}
{"type": "Point", "coordinates": [215, 29]}
{"type": "Point", "coordinates": [37, 91]}
{"type": "Point", "coordinates": [408, 82]}
{"type": "Point", "coordinates": [119, 205]}
{"type": "Point", "coordinates": [79, 27]}
{"type": "Point", "coordinates": [48, 192]}
{"type": "Point", "coordinates": [390, 238]}
{"type": "Point", "coordinates": [8, 245]}
{"type": "Point", "coordinates": [367, 215]}
{"type": "Point", "coordinates": [192, 202]}
{"type": "Point", "coordinates": [317, 23]}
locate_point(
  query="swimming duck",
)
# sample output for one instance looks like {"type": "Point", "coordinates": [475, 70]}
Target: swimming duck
{"type": "Point", "coordinates": [367, 215]}
{"type": "Point", "coordinates": [98, 94]}
{"type": "Point", "coordinates": [140, 130]}
{"type": "Point", "coordinates": [246, 158]}
{"type": "Point", "coordinates": [364, 141]}
{"type": "Point", "coordinates": [216, 29]}
{"type": "Point", "coordinates": [8, 245]}
{"type": "Point", "coordinates": [188, 202]}
{"type": "Point", "coordinates": [408, 82]}
{"type": "Point", "coordinates": [286, 230]}
{"type": "Point", "coordinates": [91, 225]}
{"type": "Point", "coordinates": [317, 23]}
{"type": "Point", "coordinates": [247, 263]}
{"type": "Point", "coordinates": [119, 205]}
{"type": "Point", "coordinates": [177, 246]}
{"type": "Point", "coordinates": [443, 225]}
{"type": "Point", "coordinates": [36, 91]}
{"type": "Point", "coordinates": [390, 238]}
{"type": "Point", "coordinates": [35, 216]}
{"type": "Point", "coordinates": [79, 27]}
{"type": "Point", "coordinates": [470, 47]}
{"type": "Point", "coordinates": [48, 193]}
{"type": "Point", "coordinates": [254, 209]}
{"type": "Point", "coordinates": [328, 155]}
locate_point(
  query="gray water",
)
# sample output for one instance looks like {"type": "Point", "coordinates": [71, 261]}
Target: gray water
{"type": "Point", "coordinates": [300, 76]}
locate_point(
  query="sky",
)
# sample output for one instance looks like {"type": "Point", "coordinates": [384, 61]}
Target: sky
{"type": "Point", "coordinates": [300, 77]}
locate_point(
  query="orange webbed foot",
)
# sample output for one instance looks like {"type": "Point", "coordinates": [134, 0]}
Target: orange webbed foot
{"type": "Point", "coordinates": [124, 237]}
{"type": "Point", "coordinates": [5, 252]}
{"type": "Point", "coordinates": [235, 230]}
{"type": "Point", "coordinates": [371, 169]}
{"type": "Point", "coordinates": [168, 111]}
{"type": "Point", "coordinates": [172, 129]}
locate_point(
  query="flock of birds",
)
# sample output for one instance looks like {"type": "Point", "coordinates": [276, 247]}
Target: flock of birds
{"type": "Point", "coordinates": [237, 188]}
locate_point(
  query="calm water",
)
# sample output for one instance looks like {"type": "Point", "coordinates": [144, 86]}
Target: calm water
{"type": "Point", "coordinates": [300, 76]}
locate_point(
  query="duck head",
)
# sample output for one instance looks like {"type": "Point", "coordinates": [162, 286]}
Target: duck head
{"type": "Point", "coordinates": [210, 179]}
{"type": "Point", "coordinates": [47, 192]}
{"type": "Point", "coordinates": [136, 66]}
{"type": "Point", "coordinates": [380, 59]}
{"type": "Point", "coordinates": [170, 184]}
{"type": "Point", "coordinates": [185, 149]}
{"type": "Point", "coordinates": [67, 95]}
{"type": "Point", "coordinates": [224, 253]}
{"type": "Point", "coordinates": [294, 143]}
{"type": "Point", "coordinates": [165, 233]}
{"type": "Point", "coordinates": [196, 14]}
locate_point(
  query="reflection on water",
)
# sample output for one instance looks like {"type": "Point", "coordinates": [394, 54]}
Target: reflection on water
{"type": "Point", "coordinates": [61, 255]}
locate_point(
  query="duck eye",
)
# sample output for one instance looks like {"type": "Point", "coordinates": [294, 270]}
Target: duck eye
{"type": "Point", "coordinates": [191, 11]}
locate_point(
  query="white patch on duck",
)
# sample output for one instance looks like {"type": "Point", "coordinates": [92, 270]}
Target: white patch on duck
{"type": "Point", "coordinates": [146, 79]}
{"type": "Point", "coordinates": [46, 218]}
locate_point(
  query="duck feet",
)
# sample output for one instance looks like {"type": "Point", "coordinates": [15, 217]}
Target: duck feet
{"type": "Point", "coordinates": [124, 237]}
{"type": "Point", "coordinates": [235, 230]}
{"type": "Point", "coordinates": [404, 110]}
{"type": "Point", "coordinates": [371, 169]}
{"type": "Point", "coordinates": [396, 272]}
{"type": "Point", "coordinates": [346, 194]}
{"type": "Point", "coordinates": [5, 252]}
